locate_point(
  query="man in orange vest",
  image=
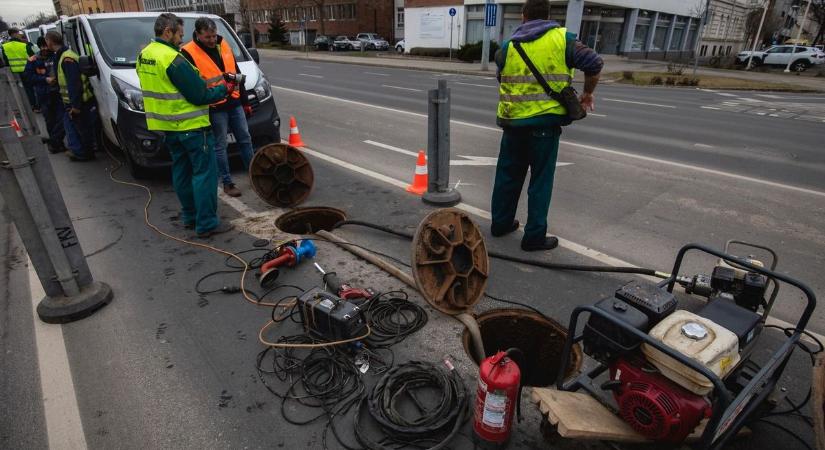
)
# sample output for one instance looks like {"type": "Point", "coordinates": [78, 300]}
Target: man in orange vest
{"type": "Point", "coordinates": [213, 57]}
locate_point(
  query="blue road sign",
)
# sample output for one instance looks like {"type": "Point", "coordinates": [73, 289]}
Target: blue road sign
{"type": "Point", "coordinates": [452, 12]}
{"type": "Point", "coordinates": [490, 15]}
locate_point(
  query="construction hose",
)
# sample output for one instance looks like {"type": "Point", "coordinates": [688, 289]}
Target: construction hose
{"type": "Point", "coordinates": [516, 259]}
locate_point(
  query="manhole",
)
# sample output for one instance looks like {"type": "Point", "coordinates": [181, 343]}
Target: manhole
{"type": "Point", "coordinates": [281, 175]}
{"type": "Point", "coordinates": [540, 338]}
{"type": "Point", "coordinates": [309, 220]}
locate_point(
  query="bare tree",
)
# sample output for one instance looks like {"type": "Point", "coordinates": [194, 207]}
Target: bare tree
{"type": "Point", "coordinates": [818, 15]}
{"type": "Point", "coordinates": [41, 19]}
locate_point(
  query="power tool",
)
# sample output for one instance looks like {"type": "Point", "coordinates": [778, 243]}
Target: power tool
{"type": "Point", "coordinates": [288, 254]}
{"type": "Point", "coordinates": [342, 289]}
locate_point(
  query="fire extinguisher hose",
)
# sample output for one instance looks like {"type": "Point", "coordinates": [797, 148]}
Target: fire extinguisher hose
{"type": "Point", "coordinates": [436, 425]}
{"type": "Point", "coordinates": [518, 357]}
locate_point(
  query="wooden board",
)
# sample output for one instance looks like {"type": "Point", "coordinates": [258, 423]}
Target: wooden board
{"type": "Point", "coordinates": [577, 415]}
{"type": "Point", "coordinates": [818, 400]}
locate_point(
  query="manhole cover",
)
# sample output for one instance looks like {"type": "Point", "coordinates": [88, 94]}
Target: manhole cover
{"type": "Point", "coordinates": [449, 261]}
{"type": "Point", "coordinates": [281, 175]}
{"type": "Point", "coordinates": [541, 339]}
{"type": "Point", "coordinates": [309, 220]}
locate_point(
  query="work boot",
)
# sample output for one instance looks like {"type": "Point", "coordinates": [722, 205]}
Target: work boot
{"type": "Point", "coordinates": [548, 243]}
{"type": "Point", "coordinates": [497, 232]}
{"type": "Point", "coordinates": [223, 227]}
{"type": "Point", "coordinates": [231, 190]}
{"type": "Point", "coordinates": [78, 158]}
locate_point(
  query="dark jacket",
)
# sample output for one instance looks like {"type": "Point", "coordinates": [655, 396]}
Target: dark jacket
{"type": "Point", "coordinates": [74, 81]}
{"type": "Point", "coordinates": [577, 56]}
{"type": "Point", "coordinates": [37, 71]}
{"type": "Point", "coordinates": [215, 54]}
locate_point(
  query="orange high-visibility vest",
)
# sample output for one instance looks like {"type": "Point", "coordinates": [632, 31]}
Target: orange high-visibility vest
{"type": "Point", "coordinates": [210, 71]}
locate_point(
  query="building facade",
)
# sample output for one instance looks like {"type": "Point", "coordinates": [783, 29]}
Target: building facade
{"type": "Point", "coordinates": [724, 32]}
{"type": "Point", "coordinates": [788, 16]}
{"type": "Point", "coordinates": [429, 24]}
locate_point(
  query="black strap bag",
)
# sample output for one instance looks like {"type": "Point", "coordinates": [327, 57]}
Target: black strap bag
{"type": "Point", "coordinates": [568, 97]}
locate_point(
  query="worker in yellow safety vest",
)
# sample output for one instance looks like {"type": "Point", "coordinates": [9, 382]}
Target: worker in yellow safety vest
{"type": "Point", "coordinates": [532, 119]}
{"type": "Point", "coordinates": [16, 52]}
{"type": "Point", "coordinates": [176, 101]}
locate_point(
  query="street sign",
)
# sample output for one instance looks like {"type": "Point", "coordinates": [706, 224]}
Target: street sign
{"type": "Point", "coordinates": [490, 15]}
{"type": "Point", "coordinates": [452, 12]}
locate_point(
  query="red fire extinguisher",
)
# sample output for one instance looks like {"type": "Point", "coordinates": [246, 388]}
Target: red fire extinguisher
{"type": "Point", "coordinates": [497, 396]}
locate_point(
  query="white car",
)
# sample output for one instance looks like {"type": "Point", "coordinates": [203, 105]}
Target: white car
{"type": "Point", "coordinates": [802, 58]}
{"type": "Point", "coordinates": [400, 46]}
{"type": "Point", "coordinates": [108, 45]}
{"type": "Point", "coordinates": [373, 42]}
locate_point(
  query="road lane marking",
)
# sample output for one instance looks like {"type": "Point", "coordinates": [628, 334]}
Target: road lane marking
{"type": "Point", "coordinates": [702, 145]}
{"type": "Point", "coordinates": [378, 74]}
{"type": "Point", "coordinates": [599, 149]}
{"type": "Point", "coordinates": [637, 103]}
{"type": "Point", "coordinates": [401, 88]}
{"type": "Point", "coordinates": [474, 84]}
{"type": "Point", "coordinates": [310, 75]}
{"type": "Point", "coordinates": [63, 424]}
{"type": "Point", "coordinates": [710, 107]}
{"type": "Point", "coordinates": [726, 94]}
{"type": "Point", "coordinates": [392, 148]}
{"type": "Point", "coordinates": [312, 67]}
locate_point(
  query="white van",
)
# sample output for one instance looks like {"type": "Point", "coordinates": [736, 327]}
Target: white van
{"type": "Point", "coordinates": [108, 45]}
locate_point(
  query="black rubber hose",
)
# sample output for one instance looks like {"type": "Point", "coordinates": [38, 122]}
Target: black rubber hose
{"type": "Point", "coordinates": [516, 259]}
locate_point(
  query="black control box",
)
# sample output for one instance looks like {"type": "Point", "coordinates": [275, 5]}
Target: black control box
{"type": "Point", "coordinates": [605, 341]}
{"type": "Point", "coordinates": [330, 317]}
{"type": "Point", "coordinates": [655, 302]}
{"type": "Point", "coordinates": [745, 324]}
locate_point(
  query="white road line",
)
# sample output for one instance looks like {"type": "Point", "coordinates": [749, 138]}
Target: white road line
{"type": "Point", "coordinates": [726, 94]}
{"type": "Point", "coordinates": [474, 84]}
{"type": "Point", "coordinates": [710, 107]}
{"type": "Point", "coordinates": [310, 75]}
{"type": "Point", "coordinates": [574, 247]}
{"type": "Point", "coordinates": [63, 424]}
{"type": "Point", "coordinates": [378, 74]}
{"type": "Point", "coordinates": [596, 115]}
{"type": "Point", "coordinates": [638, 103]}
{"type": "Point", "coordinates": [401, 88]}
{"type": "Point", "coordinates": [702, 145]}
{"type": "Point", "coordinates": [706, 90]}
{"type": "Point", "coordinates": [392, 148]}
{"type": "Point", "coordinates": [312, 67]}
{"type": "Point", "coordinates": [600, 149]}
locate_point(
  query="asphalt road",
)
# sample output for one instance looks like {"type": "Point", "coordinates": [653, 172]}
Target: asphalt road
{"type": "Point", "coordinates": [653, 169]}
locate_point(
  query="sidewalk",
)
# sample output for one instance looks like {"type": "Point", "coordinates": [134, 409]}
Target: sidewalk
{"type": "Point", "coordinates": [613, 63]}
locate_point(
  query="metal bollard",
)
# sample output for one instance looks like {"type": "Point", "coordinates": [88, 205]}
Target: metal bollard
{"type": "Point", "coordinates": [439, 192]}
{"type": "Point", "coordinates": [34, 201]}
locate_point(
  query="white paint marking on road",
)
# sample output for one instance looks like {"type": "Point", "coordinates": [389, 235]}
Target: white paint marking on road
{"type": "Point", "coordinates": [710, 107]}
{"type": "Point", "coordinates": [310, 75]}
{"type": "Point", "coordinates": [392, 148]}
{"type": "Point", "coordinates": [707, 90]}
{"type": "Point", "coordinates": [312, 67]}
{"type": "Point", "coordinates": [600, 149]}
{"type": "Point", "coordinates": [487, 161]}
{"type": "Point", "coordinates": [377, 74]}
{"type": "Point", "coordinates": [63, 424]}
{"type": "Point", "coordinates": [752, 100]}
{"type": "Point", "coordinates": [401, 88]}
{"type": "Point", "coordinates": [699, 169]}
{"type": "Point", "coordinates": [726, 94]}
{"type": "Point", "coordinates": [769, 95]}
{"type": "Point", "coordinates": [474, 84]}
{"type": "Point", "coordinates": [702, 145]}
{"type": "Point", "coordinates": [596, 115]}
{"type": "Point", "coordinates": [638, 103]}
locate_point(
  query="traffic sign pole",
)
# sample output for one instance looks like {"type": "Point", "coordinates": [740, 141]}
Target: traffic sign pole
{"type": "Point", "coordinates": [452, 16]}
{"type": "Point", "coordinates": [490, 10]}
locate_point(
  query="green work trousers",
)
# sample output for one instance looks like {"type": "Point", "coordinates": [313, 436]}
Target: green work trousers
{"type": "Point", "coordinates": [195, 176]}
{"type": "Point", "coordinates": [523, 148]}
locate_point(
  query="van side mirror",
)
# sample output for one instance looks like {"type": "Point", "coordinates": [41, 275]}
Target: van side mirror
{"type": "Point", "coordinates": [88, 67]}
{"type": "Point", "coordinates": [253, 52]}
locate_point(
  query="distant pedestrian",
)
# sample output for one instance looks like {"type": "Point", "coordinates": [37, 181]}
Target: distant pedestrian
{"type": "Point", "coordinates": [41, 72]}
{"type": "Point", "coordinates": [176, 100]}
{"type": "Point", "coordinates": [80, 119]}
{"type": "Point", "coordinates": [212, 55]}
{"type": "Point", "coordinates": [532, 120]}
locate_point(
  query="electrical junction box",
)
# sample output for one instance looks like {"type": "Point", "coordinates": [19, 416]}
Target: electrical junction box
{"type": "Point", "coordinates": [330, 317]}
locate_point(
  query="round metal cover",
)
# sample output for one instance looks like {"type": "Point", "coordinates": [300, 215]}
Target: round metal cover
{"type": "Point", "coordinates": [695, 331]}
{"type": "Point", "coordinates": [449, 261]}
{"type": "Point", "coordinates": [281, 175]}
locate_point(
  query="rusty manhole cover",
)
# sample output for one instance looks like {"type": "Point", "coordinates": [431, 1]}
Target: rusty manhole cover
{"type": "Point", "coordinates": [449, 261]}
{"type": "Point", "coordinates": [281, 175]}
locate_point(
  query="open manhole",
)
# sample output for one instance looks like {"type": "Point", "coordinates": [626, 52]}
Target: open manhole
{"type": "Point", "coordinates": [540, 339]}
{"type": "Point", "coordinates": [309, 220]}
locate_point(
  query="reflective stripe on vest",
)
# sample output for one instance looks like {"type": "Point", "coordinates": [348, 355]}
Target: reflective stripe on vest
{"type": "Point", "coordinates": [61, 79]}
{"type": "Point", "coordinates": [17, 54]}
{"type": "Point", "coordinates": [166, 108]}
{"type": "Point", "coordinates": [210, 71]}
{"type": "Point", "coordinates": [520, 94]}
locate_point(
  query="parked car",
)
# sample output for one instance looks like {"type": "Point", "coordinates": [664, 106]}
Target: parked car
{"type": "Point", "coordinates": [347, 43]}
{"type": "Point", "coordinates": [801, 59]}
{"type": "Point", "coordinates": [400, 46]}
{"type": "Point", "coordinates": [108, 45]}
{"type": "Point", "coordinates": [323, 43]}
{"type": "Point", "coordinates": [373, 42]}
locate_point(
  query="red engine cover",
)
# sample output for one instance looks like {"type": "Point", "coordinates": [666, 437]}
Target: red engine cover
{"type": "Point", "coordinates": [655, 406]}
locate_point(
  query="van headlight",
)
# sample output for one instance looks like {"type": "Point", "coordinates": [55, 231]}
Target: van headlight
{"type": "Point", "coordinates": [130, 96]}
{"type": "Point", "coordinates": [262, 89]}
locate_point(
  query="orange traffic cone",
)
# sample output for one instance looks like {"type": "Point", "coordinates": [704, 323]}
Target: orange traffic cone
{"type": "Point", "coordinates": [420, 180]}
{"type": "Point", "coordinates": [294, 135]}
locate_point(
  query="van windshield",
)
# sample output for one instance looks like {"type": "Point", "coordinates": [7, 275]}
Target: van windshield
{"type": "Point", "coordinates": [121, 39]}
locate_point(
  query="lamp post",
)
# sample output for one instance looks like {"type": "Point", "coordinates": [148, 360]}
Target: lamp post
{"type": "Point", "coordinates": [758, 32]}
{"type": "Point", "coordinates": [798, 36]}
